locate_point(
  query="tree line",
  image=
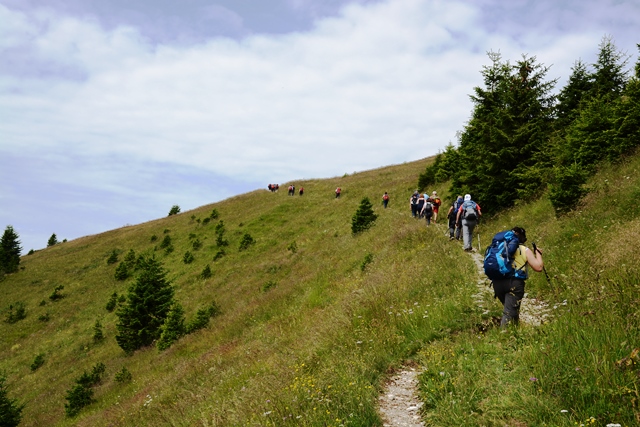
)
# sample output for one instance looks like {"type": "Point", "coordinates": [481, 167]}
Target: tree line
{"type": "Point", "coordinates": [523, 140]}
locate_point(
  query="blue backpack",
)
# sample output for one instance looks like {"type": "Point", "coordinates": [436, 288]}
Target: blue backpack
{"type": "Point", "coordinates": [498, 258]}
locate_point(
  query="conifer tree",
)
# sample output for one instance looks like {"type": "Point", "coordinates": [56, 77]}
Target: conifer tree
{"type": "Point", "coordinates": [10, 410]}
{"type": "Point", "coordinates": [505, 143]}
{"type": "Point", "coordinates": [147, 305]}
{"type": "Point", "coordinates": [53, 240]}
{"type": "Point", "coordinates": [592, 136]}
{"type": "Point", "coordinates": [10, 251]}
{"type": "Point", "coordinates": [364, 217]}
{"type": "Point", "coordinates": [173, 328]}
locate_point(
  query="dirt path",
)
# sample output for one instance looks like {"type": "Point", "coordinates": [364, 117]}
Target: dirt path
{"type": "Point", "coordinates": [399, 404]}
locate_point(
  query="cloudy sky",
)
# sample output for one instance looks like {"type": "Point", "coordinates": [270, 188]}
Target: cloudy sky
{"type": "Point", "coordinates": [112, 111]}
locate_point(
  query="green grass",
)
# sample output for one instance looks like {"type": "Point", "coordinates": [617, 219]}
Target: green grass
{"type": "Point", "coordinates": [315, 319]}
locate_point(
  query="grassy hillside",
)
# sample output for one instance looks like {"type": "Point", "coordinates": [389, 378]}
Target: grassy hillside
{"type": "Point", "coordinates": [309, 329]}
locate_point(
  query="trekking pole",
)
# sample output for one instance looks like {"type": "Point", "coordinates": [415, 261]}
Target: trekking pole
{"type": "Point", "coordinates": [535, 249]}
{"type": "Point", "coordinates": [478, 242]}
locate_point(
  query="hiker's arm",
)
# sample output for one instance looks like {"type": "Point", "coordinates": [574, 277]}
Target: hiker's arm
{"type": "Point", "coordinates": [535, 259]}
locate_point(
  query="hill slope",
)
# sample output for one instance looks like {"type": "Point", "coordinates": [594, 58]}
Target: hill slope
{"type": "Point", "coordinates": [310, 328]}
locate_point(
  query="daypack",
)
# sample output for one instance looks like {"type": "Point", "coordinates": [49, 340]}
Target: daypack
{"type": "Point", "coordinates": [469, 211]}
{"type": "Point", "coordinates": [428, 207]}
{"type": "Point", "coordinates": [385, 197]}
{"type": "Point", "coordinates": [498, 257]}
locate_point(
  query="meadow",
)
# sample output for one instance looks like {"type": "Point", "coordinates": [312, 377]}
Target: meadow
{"type": "Point", "coordinates": [314, 319]}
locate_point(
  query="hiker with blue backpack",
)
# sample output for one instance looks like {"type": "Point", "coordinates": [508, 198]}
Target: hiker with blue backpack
{"type": "Point", "coordinates": [505, 264]}
{"type": "Point", "coordinates": [469, 212]}
{"type": "Point", "coordinates": [454, 224]}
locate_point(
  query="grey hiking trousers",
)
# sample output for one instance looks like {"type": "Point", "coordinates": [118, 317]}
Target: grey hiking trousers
{"type": "Point", "coordinates": [467, 234]}
{"type": "Point", "coordinates": [510, 293]}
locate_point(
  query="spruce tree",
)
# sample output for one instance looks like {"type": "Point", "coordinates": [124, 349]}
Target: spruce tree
{"type": "Point", "coordinates": [53, 240]}
{"type": "Point", "coordinates": [173, 328]}
{"type": "Point", "coordinates": [504, 147]}
{"type": "Point", "coordinates": [10, 410]}
{"type": "Point", "coordinates": [364, 217]}
{"type": "Point", "coordinates": [10, 251]}
{"type": "Point", "coordinates": [147, 305]}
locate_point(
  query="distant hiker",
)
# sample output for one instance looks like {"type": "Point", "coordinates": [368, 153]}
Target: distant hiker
{"type": "Point", "coordinates": [427, 210]}
{"type": "Point", "coordinates": [420, 205]}
{"type": "Point", "coordinates": [436, 205]}
{"type": "Point", "coordinates": [292, 190]}
{"type": "Point", "coordinates": [385, 199]}
{"type": "Point", "coordinates": [413, 202]}
{"type": "Point", "coordinates": [270, 187]}
{"type": "Point", "coordinates": [469, 213]}
{"type": "Point", "coordinates": [338, 191]}
{"type": "Point", "coordinates": [301, 192]}
{"type": "Point", "coordinates": [510, 291]}
{"type": "Point", "coordinates": [454, 224]}
{"type": "Point", "coordinates": [277, 187]}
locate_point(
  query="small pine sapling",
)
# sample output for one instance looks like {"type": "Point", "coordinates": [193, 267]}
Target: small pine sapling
{"type": "Point", "coordinates": [16, 312]}
{"type": "Point", "coordinates": [123, 375]}
{"type": "Point", "coordinates": [111, 304]}
{"type": "Point", "coordinates": [113, 258]}
{"type": "Point", "coordinates": [364, 217]}
{"type": "Point", "coordinates": [201, 319]}
{"type": "Point", "coordinates": [173, 328]}
{"type": "Point", "coordinates": [206, 272]}
{"type": "Point", "coordinates": [246, 241]}
{"type": "Point", "coordinates": [98, 335]}
{"type": "Point", "coordinates": [175, 209]}
{"type": "Point", "coordinates": [37, 362]}
{"type": "Point", "coordinates": [122, 271]}
{"type": "Point", "coordinates": [53, 240]}
{"type": "Point", "coordinates": [188, 258]}
{"type": "Point", "coordinates": [56, 294]}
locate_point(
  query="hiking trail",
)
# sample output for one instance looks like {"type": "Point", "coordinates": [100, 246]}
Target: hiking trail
{"type": "Point", "coordinates": [399, 405]}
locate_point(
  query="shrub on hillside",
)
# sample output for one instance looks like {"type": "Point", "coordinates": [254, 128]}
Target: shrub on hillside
{"type": "Point", "coordinates": [130, 259]}
{"type": "Point", "coordinates": [154, 238]}
{"type": "Point", "coordinates": [173, 328]}
{"type": "Point", "coordinates": [246, 241]}
{"type": "Point", "coordinates": [10, 410]}
{"type": "Point", "coordinates": [81, 394]}
{"type": "Point", "coordinates": [364, 217]}
{"type": "Point", "coordinates": [293, 247]}
{"type": "Point", "coordinates": [44, 317]}
{"type": "Point", "coordinates": [98, 335]}
{"type": "Point", "coordinates": [37, 362]}
{"type": "Point", "coordinates": [149, 300]}
{"type": "Point", "coordinates": [201, 319]}
{"type": "Point", "coordinates": [122, 271]}
{"type": "Point", "coordinates": [219, 254]}
{"type": "Point", "coordinates": [175, 209]}
{"type": "Point", "coordinates": [166, 242]}
{"type": "Point", "coordinates": [113, 258]}
{"type": "Point", "coordinates": [188, 258]}
{"type": "Point", "coordinates": [368, 259]}
{"type": "Point", "coordinates": [196, 244]}
{"type": "Point", "coordinates": [111, 304]}
{"type": "Point", "coordinates": [16, 312]}
{"type": "Point", "coordinates": [56, 294]}
{"type": "Point", "coordinates": [123, 375]}
{"type": "Point", "coordinates": [214, 214]}
{"type": "Point", "coordinates": [206, 272]}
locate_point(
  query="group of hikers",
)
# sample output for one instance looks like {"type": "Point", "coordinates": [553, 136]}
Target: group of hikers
{"type": "Point", "coordinates": [506, 260]}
